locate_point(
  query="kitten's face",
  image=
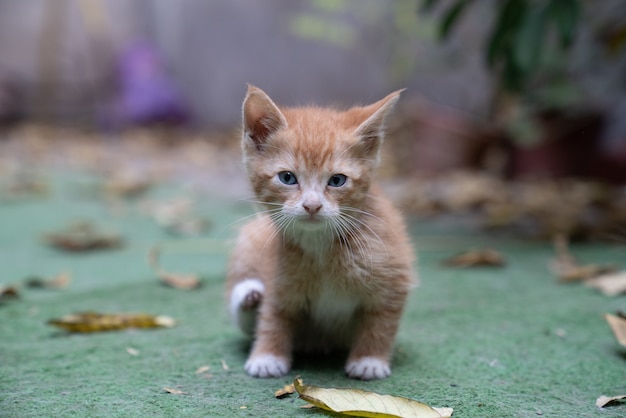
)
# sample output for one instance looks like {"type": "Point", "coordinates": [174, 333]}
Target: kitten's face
{"type": "Point", "coordinates": [311, 167]}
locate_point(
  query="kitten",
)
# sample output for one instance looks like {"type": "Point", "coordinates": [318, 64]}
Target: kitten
{"type": "Point", "coordinates": [327, 264]}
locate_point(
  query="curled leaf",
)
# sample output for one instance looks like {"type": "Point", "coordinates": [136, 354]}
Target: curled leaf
{"type": "Point", "coordinates": [476, 258]}
{"type": "Point", "coordinates": [96, 322]}
{"type": "Point", "coordinates": [618, 326]}
{"type": "Point", "coordinates": [285, 391]}
{"type": "Point", "coordinates": [604, 400]}
{"type": "Point", "coordinates": [362, 403]}
{"type": "Point", "coordinates": [180, 281]}
{"type": "Point", "coordinates": [568, 269]}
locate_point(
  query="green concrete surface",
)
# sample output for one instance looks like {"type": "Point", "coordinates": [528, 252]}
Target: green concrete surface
{"type": "Point", "coordinates": [507, 342]}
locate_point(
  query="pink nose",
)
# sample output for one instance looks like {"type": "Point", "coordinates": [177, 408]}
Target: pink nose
{"type": "Point", "coordinates": [312, 207]}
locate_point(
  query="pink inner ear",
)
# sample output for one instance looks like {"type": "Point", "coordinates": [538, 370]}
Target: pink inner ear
{"type": "Point", "coordinates": [261, 116]}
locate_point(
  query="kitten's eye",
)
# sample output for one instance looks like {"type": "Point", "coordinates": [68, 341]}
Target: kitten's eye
{"type": "Point", "coordinates": [287, 177]}
{"type": "Point", "coordinates": [337, 180]}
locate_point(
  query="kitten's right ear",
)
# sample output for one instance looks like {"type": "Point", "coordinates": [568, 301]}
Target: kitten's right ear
{"type": "Point", "coordinates": [261, 117]}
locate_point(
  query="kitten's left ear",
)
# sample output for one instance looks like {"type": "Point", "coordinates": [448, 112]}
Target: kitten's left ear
{"type": "Point", "coordinates": [371, 132]}
{"type": "Point", "coordinates": [261, 117]}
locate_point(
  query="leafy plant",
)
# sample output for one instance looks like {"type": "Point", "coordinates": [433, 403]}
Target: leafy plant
{"type": "Point", "coordinates": [523, 33]}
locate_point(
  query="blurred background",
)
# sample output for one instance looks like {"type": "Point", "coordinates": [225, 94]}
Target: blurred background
{"type": "Point", "coordinates": [507, 102]}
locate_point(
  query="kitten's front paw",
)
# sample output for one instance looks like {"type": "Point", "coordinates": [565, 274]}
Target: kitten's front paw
{"type": "Point", "coordinates": [368, 368]}
{"type": "Point", "coordinates": [267, 365]}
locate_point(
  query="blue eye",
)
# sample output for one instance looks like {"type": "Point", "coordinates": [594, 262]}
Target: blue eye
{"type": "Point", "coordinates": [287, 177]}
{"type": "Point", "coordinates": [337, 180]}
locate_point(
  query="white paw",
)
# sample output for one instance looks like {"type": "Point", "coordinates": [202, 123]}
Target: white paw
{"type": "Point", "coordinates": [368, 368]}
{"type": "Point", "coordinates": [267, 365]}
{"type": "Point", "coordinates": [244, 301]}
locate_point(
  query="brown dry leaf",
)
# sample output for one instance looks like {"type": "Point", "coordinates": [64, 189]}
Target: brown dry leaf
{"type": "Point", "coordinates": [567, 269]}
{"type": "Point", "coordinates": [126, 185]}
{"type": "Point", "coordinates": [618, 326]}
{"type": "Point", "coordinates": [362, 403]}
{"type": "Point", "coordinates": [96, 322]}
{"type": "Point", "coordinates": [62, 280]}
{"type": "Point", "coordinates": [8, 293]}
{"type": "Point", "coordinates": [609, 284]}
{"type": "Point", "coordinates": [174, 391]}
{"type": "Point", "coordinates": [82, 236]}
{"type": "Point", "coordinates": [604, 400]}
{"type": "Point", "coordinates": [476, 258]}
{"type": "Point", "coordinates": [285, 391]}
{"type": "Point", "coordinates": [180, 281]}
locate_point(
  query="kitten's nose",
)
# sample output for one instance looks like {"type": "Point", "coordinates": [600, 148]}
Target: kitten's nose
{"type": "Point", "coordinates": [312, 207]}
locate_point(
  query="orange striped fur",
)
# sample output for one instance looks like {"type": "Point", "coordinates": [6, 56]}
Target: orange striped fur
{"type": "Point", "coordinates": [326, 263]}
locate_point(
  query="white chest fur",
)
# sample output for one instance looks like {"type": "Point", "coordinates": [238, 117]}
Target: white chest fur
{"type": "Point", "coordinates": [332, 308]}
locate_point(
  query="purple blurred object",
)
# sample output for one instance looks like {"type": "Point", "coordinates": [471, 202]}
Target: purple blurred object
{"type": "Point", "coordinates": [146, 94]}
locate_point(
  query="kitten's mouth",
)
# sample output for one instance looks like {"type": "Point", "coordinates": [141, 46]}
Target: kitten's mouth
{"type": "Point", "coordinates": [311, 220]}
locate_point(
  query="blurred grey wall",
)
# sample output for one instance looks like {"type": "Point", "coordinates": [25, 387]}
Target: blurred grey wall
{"type": "Point", "coordinates": [61, 53]}
{"type": "Point", "coordinates": [321, 51]}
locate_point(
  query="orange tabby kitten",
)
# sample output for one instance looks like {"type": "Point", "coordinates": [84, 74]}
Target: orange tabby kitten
{"type": "Point", "coordinates": [327, 264]}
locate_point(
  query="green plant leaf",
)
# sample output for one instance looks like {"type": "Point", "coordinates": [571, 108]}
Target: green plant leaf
{"type": "Point", "coordinates": [529, 40]}
{"type": "Point", "coordinates": [505, 28]}
{"type": "Point", "coordinates": [451, 17]}
{"type": "Point", "coordinates": [565, 14]}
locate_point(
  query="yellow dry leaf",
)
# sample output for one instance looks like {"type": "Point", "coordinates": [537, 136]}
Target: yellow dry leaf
{"type": "Point", "coordinates": [604, 400]}
{"type": "Point", "coordinates": [618, 326]}
{"type": "Point", "coordinates": [476, 258]}
{"type": "Point", "coordinates": [610, 284]}
{"type": "Point", "coordinates": [360, 403]}
{"type": "Point", "coordinates": [96, 322]}
{"type": "Point", "coordinates": [224, 365]}
{"type": "Point", "coordinates": [202, 369]}
{"type": "Point", "coordinates": [285, 391]}
{"type": "Point", "coordinates": [174, 391]}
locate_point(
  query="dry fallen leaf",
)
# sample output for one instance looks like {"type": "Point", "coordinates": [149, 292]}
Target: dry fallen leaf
{"type": "Point", "coordinates": [8, 292]}
{"type": "Point", "coordinates": [618, 326]}
{"type": "Point", "coordinates": [126, 185]}
{"type": "Point", "coordinates": [96, 322]}
{"type": "Point", "coordinates": [202, 369]}
{"type": "Point", "coordinates": [174, 391]}
{"type": "Point", "coordinates": [609, 284]}
{"type": "Point", "coordinates": [476, 258]}
{"type": "Point", "coordinates": [567, 268]}
{"type": "Point", "coordinates": [603, 400]}
{"type": "Point", "coordinates": [82, 236]}
{"type": "Point", "coordinates": [285, 391]}
{"type": "Point", "coordinates": [60, 281]}
{"type": "Point", "coordinates": [224, 365]}
{"type": "Point", "coordinates": [362, 403]}
{"type": "Point", "coordinates": [176, 280]}
{"type": "Point", "coordinates": [132, 351]}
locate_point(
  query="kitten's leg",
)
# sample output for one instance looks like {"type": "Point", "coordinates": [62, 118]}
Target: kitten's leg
{"type": "Point", "coordinates": [271, 352]}
{"type": "Point", "coordinates": [245, 299]}
{"type": "Point", "coordinates": [373, 344]}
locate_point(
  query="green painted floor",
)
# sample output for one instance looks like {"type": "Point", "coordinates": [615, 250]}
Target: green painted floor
{"type": "Point", "coordinates": [504, 342]}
